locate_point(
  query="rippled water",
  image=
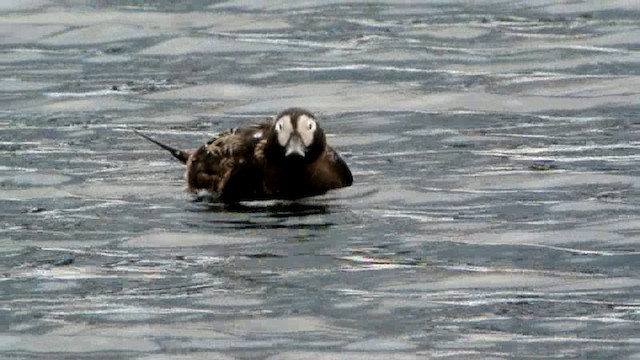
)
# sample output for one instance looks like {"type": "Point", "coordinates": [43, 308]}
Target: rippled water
{"type": "Point", "coordinates": [495, 211]}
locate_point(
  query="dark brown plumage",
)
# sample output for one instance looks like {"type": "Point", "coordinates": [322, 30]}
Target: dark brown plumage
{"type": "Point", "coordinates": [282, 158]}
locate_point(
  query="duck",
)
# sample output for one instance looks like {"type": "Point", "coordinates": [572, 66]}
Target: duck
{"type": "Point", "coordinates": [282, 158]}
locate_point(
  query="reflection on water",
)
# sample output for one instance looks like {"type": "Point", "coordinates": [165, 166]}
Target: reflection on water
{"type": "Point", "coordinates": [269, 214]}
{"type": "Point", "coordinates": [274, 209]}
{"type": "Point", "coordinates": [277, 216]}
{"type": "Point", "coordinates": [494, 213]}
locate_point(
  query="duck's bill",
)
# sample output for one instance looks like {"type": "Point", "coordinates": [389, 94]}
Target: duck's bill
{"type": "Point", "coordinates": [295, 147]}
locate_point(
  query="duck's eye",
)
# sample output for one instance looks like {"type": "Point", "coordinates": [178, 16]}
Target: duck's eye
{"type": "Point", "coordinates": [279, 126]}
{"type": "Point", "coordinates": [311, 125]}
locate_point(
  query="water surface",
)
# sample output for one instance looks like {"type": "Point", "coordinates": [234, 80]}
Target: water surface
{"type": "Point", "coordinates": [494, 214]}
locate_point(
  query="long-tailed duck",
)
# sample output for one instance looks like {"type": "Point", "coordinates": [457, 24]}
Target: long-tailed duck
{"type": "Point", "coordinates": [283, 158]}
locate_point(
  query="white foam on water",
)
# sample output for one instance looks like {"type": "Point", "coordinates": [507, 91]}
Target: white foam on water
{"type": "Point", "coordinates": [565, 148]}
{"type": "Point", "coordinates": [538, 77]}
{"type": "Point", "coordinates": [535, 339]}
{"type": "Point", "coordinates": [558, 158]}
{"type": "Point", "coordinates": [106, 253]}
{"type": "Point", "coordinates": [378, 68]}
{"type": "Point", "coordinates": [486, 269]}
{"type": "Point", "coordinates": [86, 94]}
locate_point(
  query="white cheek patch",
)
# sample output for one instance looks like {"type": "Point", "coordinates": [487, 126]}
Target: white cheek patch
{"type": "Point", "coordinates": [257, 135]}
{"type": "Point", "coordinates": [285, 131]}
{"type": "Point", "coordinates": [306, 129]}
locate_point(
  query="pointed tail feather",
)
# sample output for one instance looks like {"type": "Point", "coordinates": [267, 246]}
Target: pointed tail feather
{"type": "Point", "coordinates": [181, 155]}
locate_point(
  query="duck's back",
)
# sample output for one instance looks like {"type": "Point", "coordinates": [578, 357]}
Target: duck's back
{"type": "Point", "coordinates": [227, 164]}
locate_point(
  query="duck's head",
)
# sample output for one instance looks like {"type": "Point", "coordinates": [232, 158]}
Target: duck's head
{"type": "Point", "coordinates": [296, 136]}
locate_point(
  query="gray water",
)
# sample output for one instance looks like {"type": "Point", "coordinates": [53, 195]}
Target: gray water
{"type": "Point", "coordinates": [495, 211]}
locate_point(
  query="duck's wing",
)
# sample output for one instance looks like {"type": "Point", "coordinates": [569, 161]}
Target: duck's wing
{"type": "Point", "coordinates": [223, 163]}
{"type": "Point", "coordinates": [330, 171]}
